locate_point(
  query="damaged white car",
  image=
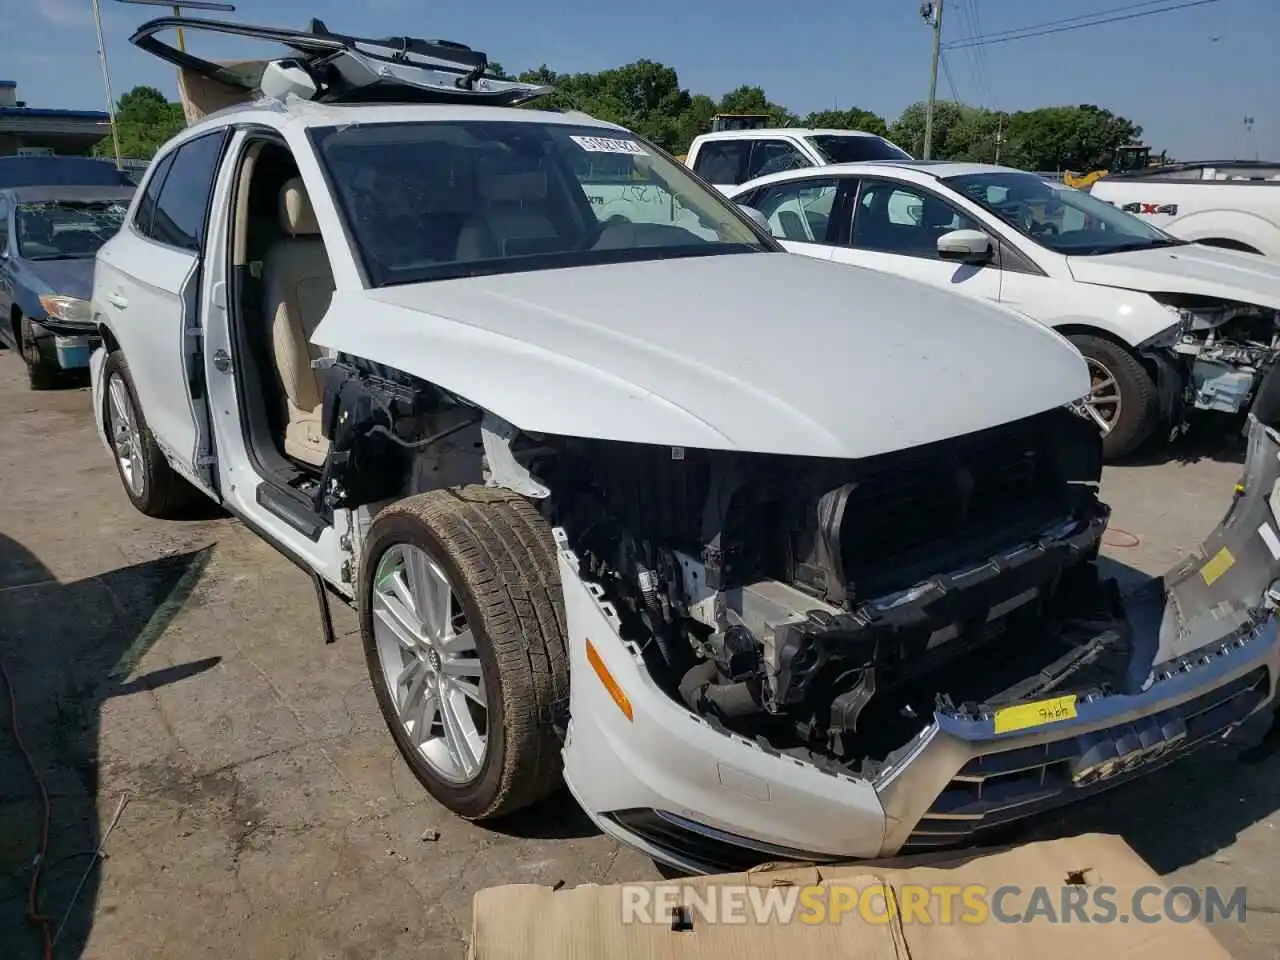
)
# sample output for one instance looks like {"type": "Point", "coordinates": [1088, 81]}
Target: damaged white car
{"type": "Point", "coordinates": [1166, 326]}
{"type": "Point", "coordinates": [756, 582]}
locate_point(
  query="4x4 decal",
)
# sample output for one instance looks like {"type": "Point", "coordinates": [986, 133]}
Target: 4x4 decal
{"type": "Point", "coordinates": [1150, 208]}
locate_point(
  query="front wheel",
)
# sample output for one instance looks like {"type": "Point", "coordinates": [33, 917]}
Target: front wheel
{"type": "Point", "coordinates": [462, 620]}
{"type": "Point", "coordinates": [41, 373]}
{"type": "Point", "coordinates": [1123, 395]}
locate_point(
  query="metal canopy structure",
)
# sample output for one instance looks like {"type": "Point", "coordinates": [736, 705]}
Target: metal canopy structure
{"type": "Point", "coordinates": [348, 69]}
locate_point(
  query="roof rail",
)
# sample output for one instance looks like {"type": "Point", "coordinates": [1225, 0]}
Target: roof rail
{"type": "Point", "coordinates": [349, 69]}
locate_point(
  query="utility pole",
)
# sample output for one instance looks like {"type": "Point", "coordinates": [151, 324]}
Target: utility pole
{"type": "Point", "coordinates": [931, 12]}
{"type": "Point", "coordinates": [106, 82]}
{"type": "Point", "coordinates": [999, 135]}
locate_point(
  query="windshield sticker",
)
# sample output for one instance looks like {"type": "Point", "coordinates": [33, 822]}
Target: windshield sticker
{"type": "Point", "coordinates": [608, 145]}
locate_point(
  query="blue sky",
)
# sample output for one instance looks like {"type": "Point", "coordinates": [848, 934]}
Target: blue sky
{"type": "Point", "coordinates": [1189, 91]}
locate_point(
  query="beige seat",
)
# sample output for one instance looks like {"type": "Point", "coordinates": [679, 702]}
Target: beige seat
{"type": "Point", "coordinates": [510, 220]}
{"type": "Point", "coordinates": [298, 284]}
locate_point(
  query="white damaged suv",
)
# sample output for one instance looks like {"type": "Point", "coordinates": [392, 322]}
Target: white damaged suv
{"type": "Point", "coordinates": [758, 579]}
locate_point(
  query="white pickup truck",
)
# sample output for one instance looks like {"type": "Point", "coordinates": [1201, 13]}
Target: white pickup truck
{"type": "Point", "coordinates": [732, 157]}
{"type": "Point", "coordinates": [1230, 204]}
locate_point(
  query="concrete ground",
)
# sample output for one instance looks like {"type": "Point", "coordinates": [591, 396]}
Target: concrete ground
{"type": "Point", "coordinates": [179, 666]}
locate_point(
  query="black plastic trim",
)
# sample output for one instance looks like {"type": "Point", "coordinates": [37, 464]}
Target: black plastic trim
{"type": "Point", "coordinates": [292, 509]}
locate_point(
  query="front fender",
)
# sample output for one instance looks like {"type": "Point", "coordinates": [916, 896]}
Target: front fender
{"type": "Point", "coordinates": [97, 360]}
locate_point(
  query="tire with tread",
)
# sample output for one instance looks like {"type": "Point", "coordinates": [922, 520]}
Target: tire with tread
{"type": "Point", "coordinates": [1139, 398]}
{"type": "Point", "coordinates": [164, 493]}
{"type": "Point", "coordinates": [41, 374]}
{"type": "Point", "coordinates": [500, 556]}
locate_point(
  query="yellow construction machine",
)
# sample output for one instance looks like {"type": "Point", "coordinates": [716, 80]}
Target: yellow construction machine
{"type": "Point", "coordinates": [1131, 156]}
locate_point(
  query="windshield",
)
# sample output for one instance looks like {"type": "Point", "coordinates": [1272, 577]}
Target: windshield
{"type": "Point", "coordinates": [1062, 218]}
{"type": "Point", "coordinates": [435, 200]}
{"type": "Point", "coordinates": [835, 148]}
{"type": "Point", "coordinates": [65, 229]}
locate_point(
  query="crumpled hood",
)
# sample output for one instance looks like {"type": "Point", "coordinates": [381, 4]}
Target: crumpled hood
{"type": "Point", "coordinates": [71, 277]}
{"type": "Point", "coordinates": [761, 352]}
{"type": "Point", "coordinates": [1190, 269]}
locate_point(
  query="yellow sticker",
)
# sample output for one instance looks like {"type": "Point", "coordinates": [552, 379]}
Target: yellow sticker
{"type": "Point", "coordinates": [1027, 715]}
{"type": "Point", "coordinates": [1222, 562]}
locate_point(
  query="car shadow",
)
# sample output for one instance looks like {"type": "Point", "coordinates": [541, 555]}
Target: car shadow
{"type": "Point", "coordinates": [1217, 438]}
{"type": "Point", "coordinates": [558, 817]}
{"type": "Point", "coordinates": [66, 649]}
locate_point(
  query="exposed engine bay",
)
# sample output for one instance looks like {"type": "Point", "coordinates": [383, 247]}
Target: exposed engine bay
{"type": "Point", "coordinates": [1222, 351]}
{"type": "Point", "coordinates": [823, 608]}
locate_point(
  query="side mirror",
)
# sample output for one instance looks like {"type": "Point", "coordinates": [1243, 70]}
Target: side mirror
{"type": "Point", "coordinates": [756, 217]}
{"type": "Point", "coordinates": [966, 246]}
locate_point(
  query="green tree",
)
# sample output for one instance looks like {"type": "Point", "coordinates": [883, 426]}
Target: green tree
{"type": "Point", "coordinates": [749, 99]}
{"type": "Point", "coordinates": [145, 119]}
{"type": "Point", "coordinates": [973, 136]}
{"type": "Point", "coordinates": [908, 130]}
{"type": "Point", "coordinates": [851, 119]}
{"type": "Point", "coordinates": [1078, 138]}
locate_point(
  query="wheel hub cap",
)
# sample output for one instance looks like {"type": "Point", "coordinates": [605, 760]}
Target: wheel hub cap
{"type": "Point", "coordinates": [429, 663]}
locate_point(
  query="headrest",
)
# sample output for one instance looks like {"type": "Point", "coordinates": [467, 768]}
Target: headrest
{"type": "Point", "coordinates": [297, 217]}
{"type": "Point", "coordinates": [512, 187]}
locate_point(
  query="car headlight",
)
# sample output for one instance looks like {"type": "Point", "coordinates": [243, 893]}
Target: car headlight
{"type": "Point", "coordinates": [67, 311]}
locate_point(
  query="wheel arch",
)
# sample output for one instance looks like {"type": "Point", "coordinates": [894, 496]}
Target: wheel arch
{"type": "Point", "coordinates": [1226, 243]}
{"type": "Point", "coordinates": [1089, 330]}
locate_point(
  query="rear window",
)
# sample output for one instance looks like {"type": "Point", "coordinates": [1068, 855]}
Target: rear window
{"type": "Point", "coordinates": [835, 148]}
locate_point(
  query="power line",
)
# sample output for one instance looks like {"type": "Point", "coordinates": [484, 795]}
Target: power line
{"type": "Point", "coordinates": [1125, 8]}
{"type": "Point", "coordinates": [982, 54]}
{"type": "Point", "coordinates": [977, 56]}
{"type": "Point", "coordinates": [1042, 30]}
{"type": "Point", "coordinates": [946, 72]}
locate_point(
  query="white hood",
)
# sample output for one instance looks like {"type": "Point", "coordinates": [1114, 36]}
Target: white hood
{"type": "Point", "coordinates": [757, 352]}
{"type": "Point", "coordinates": [1191, 269]}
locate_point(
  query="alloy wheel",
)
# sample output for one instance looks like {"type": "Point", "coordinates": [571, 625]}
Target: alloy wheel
{"type": "Point", "coordinates": [123, 428]}
{"type": "Point", "coordinates": [1104, 403]}
{"type": "Point", "coordinates": [429, 663]}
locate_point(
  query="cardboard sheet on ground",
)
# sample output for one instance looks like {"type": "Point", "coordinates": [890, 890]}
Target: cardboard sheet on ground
{"type": "Point", "coordinates": [585, 923]}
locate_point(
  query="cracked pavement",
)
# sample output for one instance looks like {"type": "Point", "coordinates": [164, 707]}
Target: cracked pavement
{"type": "Point", "coordinates": [268, 814]}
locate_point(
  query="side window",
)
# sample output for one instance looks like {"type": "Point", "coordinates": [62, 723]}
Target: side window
{"type": "Point", "coordinates": [774, 156]}
{"type": "Point", "coordinates": [182, 209]}
{"type": "Point", "coordinates": [722, 161]}
{"type": "Point", "coordinates": [4, 226]}
{"type": "Point", "coordinates": [143, 216]}
{"type": "Point", "coordinates": [799, 210]}
{"type": "Point", "coordinates": [904, 219]}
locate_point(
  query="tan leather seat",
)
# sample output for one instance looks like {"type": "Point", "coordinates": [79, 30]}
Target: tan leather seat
{"type": "Point", "coordinates": [510, 220]}
{"type": "Point", "coordinates": [298, 284]}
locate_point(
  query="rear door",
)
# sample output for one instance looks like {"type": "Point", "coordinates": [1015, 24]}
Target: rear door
{"type": "Point", "coordinates": [148, 286]}
{"type": "Point", "coordinates": [809, 216]}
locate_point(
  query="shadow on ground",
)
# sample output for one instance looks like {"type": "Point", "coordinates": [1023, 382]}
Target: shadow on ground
{"type": "Point", "coordinates": [1210, 437]}
{"type": "Point", "coordinates": [67, 648]}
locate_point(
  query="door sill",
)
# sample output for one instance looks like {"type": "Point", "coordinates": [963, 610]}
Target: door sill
{"type": "Point", "coordinates": [291, 507]}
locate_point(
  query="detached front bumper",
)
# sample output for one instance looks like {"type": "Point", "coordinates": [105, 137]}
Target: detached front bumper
{"type": "Point", "coordinates": [698, 798]}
